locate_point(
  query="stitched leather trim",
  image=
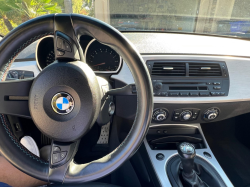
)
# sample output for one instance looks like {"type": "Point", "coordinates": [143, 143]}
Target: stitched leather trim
{"type": "Point", "coordinates": [16, 142]}
{"type": "Point", "coordinates": [11, 60]}
{"type": "Point", "coordinates": [2, 78]}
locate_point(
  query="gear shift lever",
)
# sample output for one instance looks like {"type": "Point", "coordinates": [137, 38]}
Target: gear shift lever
{"type": "Point", "coordinates": [187, 154]}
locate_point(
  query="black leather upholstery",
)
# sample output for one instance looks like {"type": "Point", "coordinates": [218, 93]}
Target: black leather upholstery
{"type": "Point", "coordinates": [89, 184]}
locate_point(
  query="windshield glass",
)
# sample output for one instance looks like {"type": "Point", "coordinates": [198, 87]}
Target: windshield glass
{"type": "Point", "coordinates": [217, 17]}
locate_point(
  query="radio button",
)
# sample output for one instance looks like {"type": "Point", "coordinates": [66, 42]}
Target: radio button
{"type": "Point", "coordinates": [158, 94]}
{"type": "Point", "coordinates": [194, 94]}
{"type": "Point", "coordinates": [184, 94]}
{"type": "Point", "coordinates": [204, 94]}
{"type": "Point", "coordinates": [164, 93]}
{"type": "Point", "coordinates": [213, 93]}
{"type": "Point", "coordinates": [217, 87]}
{"type": "Point", "coordinates": [173, 94]}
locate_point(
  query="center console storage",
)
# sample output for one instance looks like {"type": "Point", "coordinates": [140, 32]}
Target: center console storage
{"type": "Point", "coordinates": [169, 137]}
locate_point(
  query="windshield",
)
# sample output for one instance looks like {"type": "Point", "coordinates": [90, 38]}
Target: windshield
{"type": "Point", "coordinates": [217, 17]}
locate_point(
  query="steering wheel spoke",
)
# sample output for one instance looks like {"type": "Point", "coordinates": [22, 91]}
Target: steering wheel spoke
{"type": "Point", "coordinates": [62, 153]}
{"type": "Point", "coordinates": [14, 97]}
{"type": "Point", "coordinates": [66, 45]}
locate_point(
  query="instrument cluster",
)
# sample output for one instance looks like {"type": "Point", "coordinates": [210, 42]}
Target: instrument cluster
{"type": "Point", "coordinates": [101, 58]}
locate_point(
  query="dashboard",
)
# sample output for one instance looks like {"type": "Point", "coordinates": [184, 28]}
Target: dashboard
{"type": "Point", "coordinates": [227, 93]}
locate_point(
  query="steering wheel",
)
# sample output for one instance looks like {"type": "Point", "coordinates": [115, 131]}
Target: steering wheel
{"type": "Point", "coordinates": [72, 82]}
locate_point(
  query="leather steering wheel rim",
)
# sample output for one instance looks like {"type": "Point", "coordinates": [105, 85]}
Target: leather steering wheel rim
{"type": "Point", "coordinates": [18, 155]}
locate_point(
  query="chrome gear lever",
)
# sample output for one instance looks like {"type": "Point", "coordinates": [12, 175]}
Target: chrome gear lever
{"type": "Point", "coordinates": [187, 154]}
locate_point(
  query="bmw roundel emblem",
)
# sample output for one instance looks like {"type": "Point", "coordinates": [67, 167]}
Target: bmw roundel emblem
{"type": "Point", "coordinates": [62, 103]}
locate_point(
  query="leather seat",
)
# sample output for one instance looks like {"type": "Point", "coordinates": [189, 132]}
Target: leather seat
{"type": "Point", "coordinates": [89, 184]}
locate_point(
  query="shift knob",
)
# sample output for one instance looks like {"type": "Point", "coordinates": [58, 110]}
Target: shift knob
{"type": "Point", "coordinates": [187, 154]}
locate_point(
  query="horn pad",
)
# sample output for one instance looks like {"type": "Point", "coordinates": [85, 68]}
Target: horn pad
{"type": "Point", "coordinates": [65, 100]}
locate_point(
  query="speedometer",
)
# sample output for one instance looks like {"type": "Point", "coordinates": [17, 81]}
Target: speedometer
{"type": "Point", "coordinates": [102, 58]}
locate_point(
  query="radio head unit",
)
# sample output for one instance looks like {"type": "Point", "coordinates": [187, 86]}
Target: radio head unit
{"type": "Point", "coordinates": [189, 78]}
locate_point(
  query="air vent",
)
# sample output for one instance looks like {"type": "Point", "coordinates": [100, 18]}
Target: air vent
{"type": "Point", "coordinates": [169, 69]}
{"type": "Point", "coordinates": [204, 69]}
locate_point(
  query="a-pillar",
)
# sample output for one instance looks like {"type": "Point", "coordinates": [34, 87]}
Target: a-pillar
{"type": "Point", "coordinates": [102, 11]}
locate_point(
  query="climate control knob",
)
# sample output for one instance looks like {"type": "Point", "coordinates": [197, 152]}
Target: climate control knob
{"type": "Point", "coordinates": [186, 115]}
{"type": "Point", "coordinates": [211, 114]}
{"type": "Point", "coordinates": [160, 117]}
{"type": "Point", "coordinates": [160, 114]}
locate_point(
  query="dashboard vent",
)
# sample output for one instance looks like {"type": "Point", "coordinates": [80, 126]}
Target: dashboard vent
{"type": "Point", "coordinates": [204, 69]}
{"type": "Point", "coordinates": [168, 69]}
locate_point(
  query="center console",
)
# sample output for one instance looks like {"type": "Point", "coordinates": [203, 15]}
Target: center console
{"type": "Point", "coordinates": [171, 160]}
{"type": "Point", "coordinates": [191, 163]}
{"type": "Point", "coordinates": [186, 93]}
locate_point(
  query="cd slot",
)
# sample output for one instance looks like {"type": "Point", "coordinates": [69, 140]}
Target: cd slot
{"type": "Point", "coordinates": [188, 88]}
{"type": "Point", "coordinates": [196, 83]}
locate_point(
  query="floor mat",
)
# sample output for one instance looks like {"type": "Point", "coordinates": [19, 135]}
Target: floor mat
{"type": "Point", "coordinates": [232, 155]}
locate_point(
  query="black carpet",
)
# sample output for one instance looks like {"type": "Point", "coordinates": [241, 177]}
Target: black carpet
{"type": "Point", "coordinates": [232, 155]}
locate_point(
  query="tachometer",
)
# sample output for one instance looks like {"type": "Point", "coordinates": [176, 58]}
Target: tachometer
{"type": "Point", "coordinates": [102, 58]}
{"type": "Point", "coordinates": [45, 52]}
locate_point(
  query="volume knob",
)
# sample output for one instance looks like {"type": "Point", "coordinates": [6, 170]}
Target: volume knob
{"type": "Point", "coordinates": [158, 86]}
